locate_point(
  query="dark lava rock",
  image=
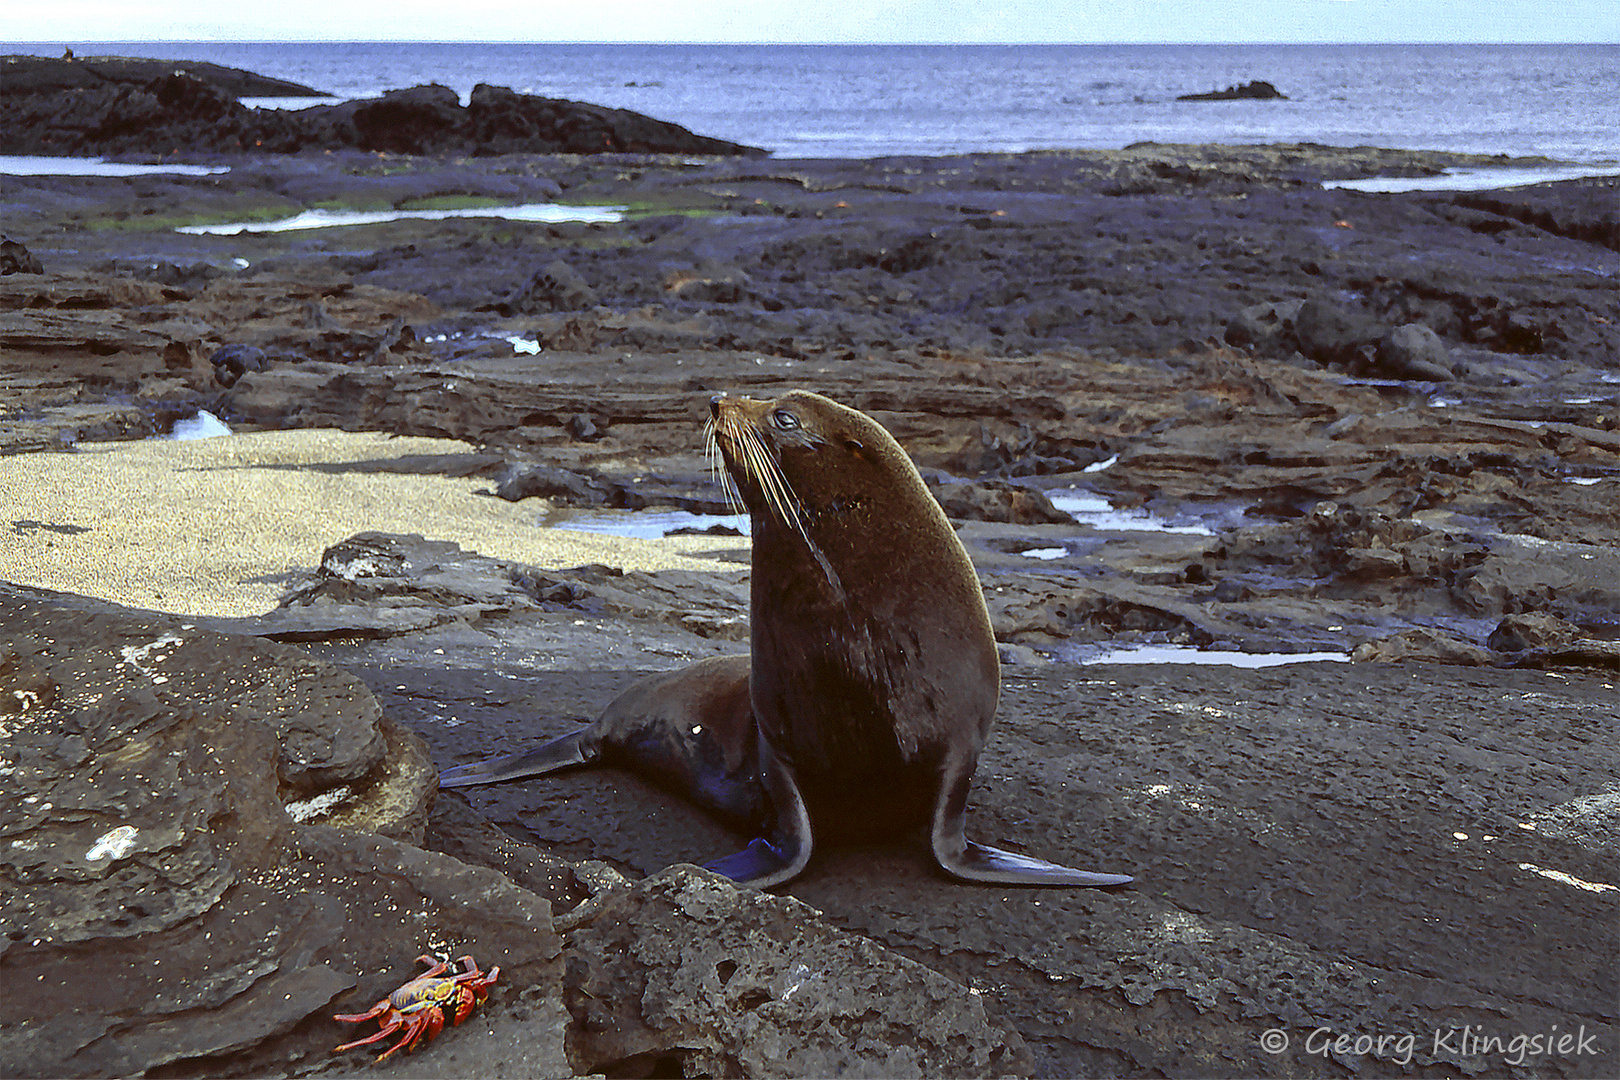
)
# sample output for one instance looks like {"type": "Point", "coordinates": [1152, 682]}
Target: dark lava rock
{"type": "Point", "coordinates": [1531, 630]}
{"type": "Point", "coordinates": [43, 74]}
{"type": "Point", "coordinates": [686, 969]}
{"type": "Point", "coordinates": [17, 259]}
{"type": "Point", "coordinates": [1332, 335]}
{"type": "Point", "coordinates": [171, 112]}
{"type": "Point", "coordinates": [409, 121]}
{"type": "Point", "coordinates": [519, 482]}
{"type": "Point", "coordinates": [231, 361]}
{"type": "Point", "coordinates": [555, 287]}
{"type": "Point", "coordinates": [381, 586]}
{"type": "Point", "coordinates": [583, 428]}
{"type": "Point", "coordinates": [1258, 90]}
{"type": "Point", "coordinates": [998, 500]}
{"type": "Point", "coordinates": [1413, 351]}
{"type": "Point", "coordinates": [1423, 643]}
{"type": "Point", "coordinates": [192, 868]}
{"type": "Point", "coordinates": [501, 121]}
{"type": "Point", "coordinates": [1587, 210]}
{"type": "Point", "coordinates": [177, 111]}
{"type": "Point", "coordinates": [1266, 329]}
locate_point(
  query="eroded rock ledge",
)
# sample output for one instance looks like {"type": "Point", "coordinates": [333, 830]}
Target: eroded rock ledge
{"type": "Point", "coordinates": [197, 871]}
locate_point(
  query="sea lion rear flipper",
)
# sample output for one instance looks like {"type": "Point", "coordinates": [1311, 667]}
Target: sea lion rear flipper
{"type": "Point", "coordinates": [977, 862]}
{"type": "Point", "coordinates": [576, 748]}
{"type": "Point", "coordinates": [782, 857]}
{"type": "Point", "coordinates": [962, 858]}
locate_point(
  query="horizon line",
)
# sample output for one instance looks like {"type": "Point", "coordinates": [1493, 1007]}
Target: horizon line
{"type": "Point", "coordinates": [771, 43]}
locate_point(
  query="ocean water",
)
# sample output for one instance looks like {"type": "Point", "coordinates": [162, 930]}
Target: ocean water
{"type": "Point", "coordinates": [872, 100]}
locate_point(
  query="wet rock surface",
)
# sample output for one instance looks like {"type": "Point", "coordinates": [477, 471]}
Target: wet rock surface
{"type": "Point", "coordinates": [1427, 473]}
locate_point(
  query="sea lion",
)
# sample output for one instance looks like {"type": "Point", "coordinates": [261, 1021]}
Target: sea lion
{"type": "Point", "coordinates": [872, 680]}
{"type": "Point", "coordinates": [691, 731]}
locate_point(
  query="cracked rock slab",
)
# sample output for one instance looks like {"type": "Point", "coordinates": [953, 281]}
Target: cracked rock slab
{"type": "Point", "coordinates": [162, 904]}
{"type": "Point", "coordinates": [686, 968]}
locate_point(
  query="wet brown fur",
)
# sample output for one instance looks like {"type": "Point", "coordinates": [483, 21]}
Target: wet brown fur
{"type": "Point", "coordinates": [874, 663]}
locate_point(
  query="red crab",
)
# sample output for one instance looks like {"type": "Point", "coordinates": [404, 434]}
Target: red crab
{"type": "Point", "coordinates": [421, 1004]}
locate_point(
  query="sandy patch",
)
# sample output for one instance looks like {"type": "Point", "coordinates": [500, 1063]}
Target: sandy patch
{"type": "Point", "coordinates": [214, 526]}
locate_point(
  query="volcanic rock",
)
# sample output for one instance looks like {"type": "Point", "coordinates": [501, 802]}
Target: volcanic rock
{"type": "Point", "coordinates": [1258, 90]}
{"type": "Point", "coordinates": [1332, 335]}
{"type": "Point", "coordinates": [193, 865]}
{"type": "Point", "coordinates": [1531, 630]}
{"type": "Point", "coordinates": [1587, 211]}
{"type": "Point", "coordinates": [21, 75]}
{"type": "Point", "coordinates": [231, 361]}
{"type": "Point", "coordinates": [1267, 329]}
{"type": "Point", "coordinates": [1413, 351]}
{"type": "Point", "coordinates": [687, 969]}
{"type": "Point", "coordinates": [1423, 643]}
{"type": "Point", "coordinates": [17, 259]}
{"type": "Point", "coordinates": [555, 287]}
{"type": "Point", "coordinates": [176, 111]}
{"type": "Point", "coordinates": [997, 500]}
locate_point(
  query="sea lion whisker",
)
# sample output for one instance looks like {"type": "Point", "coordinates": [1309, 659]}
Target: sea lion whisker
{"type": "Point", "coordinates": [718, 471]}
{"type": "Point", "coordinates": [760, 465]}
{"type": "Point", "coordinates": [755, 464]}
{"type": "Point", "coordinates": [756, 459]}
{"type": "Point", "coordinates": [779, 493]}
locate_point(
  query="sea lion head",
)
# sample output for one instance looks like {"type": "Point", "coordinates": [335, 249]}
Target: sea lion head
{"type": "Point", "coordinates": [804, 461]}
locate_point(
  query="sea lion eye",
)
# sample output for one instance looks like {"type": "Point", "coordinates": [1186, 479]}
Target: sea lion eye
{"type": "Point", "coordinates": [784, 420]}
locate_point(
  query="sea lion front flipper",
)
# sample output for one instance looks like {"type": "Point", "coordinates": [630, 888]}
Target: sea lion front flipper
{"type": "Point", "coordinates": [760, 864]}
{"type": "Point", "coordinates": [785, 854]}
{"type": "Point", "coordinates": [962, 858]}
{"type": "Point", "coordinates": [576, 748]}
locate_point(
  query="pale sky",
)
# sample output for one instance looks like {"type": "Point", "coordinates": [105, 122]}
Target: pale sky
{"type": "Point", "coordinates": [1489, 21]}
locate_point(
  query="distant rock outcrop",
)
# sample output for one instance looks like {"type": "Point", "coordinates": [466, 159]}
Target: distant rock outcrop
{"type": "Point", "coordinates": [1258, 90]}
{"type": "Point", "coordinates": [15, 258]}
{"type": "Point", "coordinates": [181, 111]}
{"type": "Point", "coordinates": [44, 75]}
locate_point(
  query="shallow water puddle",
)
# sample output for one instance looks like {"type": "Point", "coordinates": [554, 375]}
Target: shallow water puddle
{"type": "Point", "coordinates": [205, 425]}
{"type": "Point", "coordinates": [1087, 508]}
{"type": "Point", "coordinates": [33, 165]}
{"type": "Point", "coordinates": [1044, 553]}
{"type": "Point", "coordinates": [648, 524]}
{"type": "Point", "coordinates": [1092, 509]}
{"type": "Point", "coordinates": [327, 219]}
{"type": "Point", "coordinates": [1486, 179]}
{"type": "Point", "coordinates": [1186, 654]}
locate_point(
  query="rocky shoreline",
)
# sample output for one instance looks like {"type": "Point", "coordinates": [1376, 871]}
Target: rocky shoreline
{"type": "Point", "coordinates": [119, 107]}
{"type": "Point", "coordinates": [1389, 423]}
{"type": "Point", "coordinates": [22, 75]}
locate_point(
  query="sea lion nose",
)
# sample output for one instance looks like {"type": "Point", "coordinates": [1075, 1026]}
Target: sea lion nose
{"type": "Point", "coordinates": [714, 405]}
